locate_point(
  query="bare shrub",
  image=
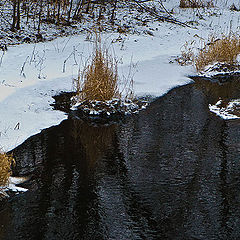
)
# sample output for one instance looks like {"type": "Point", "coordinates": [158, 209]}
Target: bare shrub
{"type": "Point", "coordinates": [6, 162]}
{"type": "Point", "coordinates": [195, 3]}
{"type": "Point", "coordinates": [224, 50]}
{"type": "Point", "coordinates": [187, 54]}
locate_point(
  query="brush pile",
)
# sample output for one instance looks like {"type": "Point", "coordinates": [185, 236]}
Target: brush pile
{"type": "Point", "coordinates": [105, 109]}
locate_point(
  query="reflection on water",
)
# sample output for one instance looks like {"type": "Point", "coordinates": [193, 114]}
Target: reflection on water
{"type": "Point", "coordinates": [226, 90]}
{"type": "Point", "coordinates": [5, 218]}
{"type": "Point", "coordinates": [172, 172]}
{"type": "Point", "coordinates": [94, 140]}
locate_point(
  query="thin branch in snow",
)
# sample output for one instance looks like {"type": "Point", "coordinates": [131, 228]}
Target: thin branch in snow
{"type": "Point", "coordinates": [17, 127]}
{"type": "Point", "coordinates": [23, 66]}
{"type": "Point", "coordinates": [74, 57]}
{"type": "Point", "coordinates": [33, 54]}
{"type": "Point", "coordinates": [160, 17]}
{"type": "Point", "coordinates": [41, 61]}
{"type": "Point", "coordinates": [66, 43]}
{"type": "Point", "coordinates": [1, 59]}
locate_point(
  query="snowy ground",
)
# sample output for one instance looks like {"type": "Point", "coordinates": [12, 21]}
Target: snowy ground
{"type": "Point", "coordinates": [12, 186]}
{"type": "Point", "coordinates": [230, 111]}
{"type": "Point", "coordinates": [30, 74]}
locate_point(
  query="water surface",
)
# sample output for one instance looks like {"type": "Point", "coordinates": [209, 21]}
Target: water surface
{"type": "Point", "coordinates": [171, 172]}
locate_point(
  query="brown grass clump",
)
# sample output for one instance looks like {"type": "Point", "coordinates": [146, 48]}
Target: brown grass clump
{"type": "Point", "coordinates": [224, 50]}
{"type": "Point", "coordinates": [195, 3]}
{"type": "Point", "coordinates": [99, 79]}
{"type": "Point", "coordinates": [6, 162]}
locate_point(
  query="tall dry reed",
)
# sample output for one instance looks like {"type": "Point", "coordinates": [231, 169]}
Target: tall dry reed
{"type": "Point", "coordinates": [99, 78]}
{"type": "Point", "coordinates": [224, 50]}
{"type": "Point", "coordinates": [6, 162]}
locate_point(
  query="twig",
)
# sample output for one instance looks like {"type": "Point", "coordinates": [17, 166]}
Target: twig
{"type": "Point", "coordinates": [17, 127]}
{"type": "Point", "coordinates": [65, 61]}
{"type": "Point", "coordinates": [66, 43]}
{"type": "Point", "coordinates": [33, 54]}
{"type": "Point", "coordinates": [159, 17]}
{"type": "Point", "coordinates": [1, 59]}
{"type": "Point", "coordinates": [160, 2]}
{"type": "Point", "coordinates": [23, 66]}
{"type": "Point", "coordinates": [74, 57]}
{"type": "Point", "coordinates": [41, 61]}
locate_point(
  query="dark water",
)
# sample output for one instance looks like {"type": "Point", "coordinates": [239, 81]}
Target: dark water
{"type": "Point", "coordinates": [172, 172]}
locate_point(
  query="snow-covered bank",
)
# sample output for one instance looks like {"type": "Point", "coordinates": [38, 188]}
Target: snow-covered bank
{"type": "Point", "coordinates": [30, 74]}
{"type": "Point", "coordinates": [28, 110]}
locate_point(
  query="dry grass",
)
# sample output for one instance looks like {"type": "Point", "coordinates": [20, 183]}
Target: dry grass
{"type": "Point", "coordinates": [99, 78]}
{"type": "Point", "coordinates": [6, 161]}
{"type": "Point", "coordinates": [195, 3]}
{"type": "Point", "coordinates": [224, 50]}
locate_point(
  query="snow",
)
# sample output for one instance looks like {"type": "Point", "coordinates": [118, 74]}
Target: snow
{"type": "Point", "coordinates": [210, 70]}
{"type": "Point", "coordinates": [30, 74]}
{"type": "Point", "coordinates": [225, 112]}
{"type": "Point", "coordinates": [13, 181]}
{"type": "Point", "coordinates": [12, 186]}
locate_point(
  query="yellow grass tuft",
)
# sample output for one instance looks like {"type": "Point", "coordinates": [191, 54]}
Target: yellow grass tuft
{"type": "Point", "coordinates": [6, 162]}
{"type": "Point", "coordinates": [224, 50]}
{"type": "Point", "coordinates": [99, 79]}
